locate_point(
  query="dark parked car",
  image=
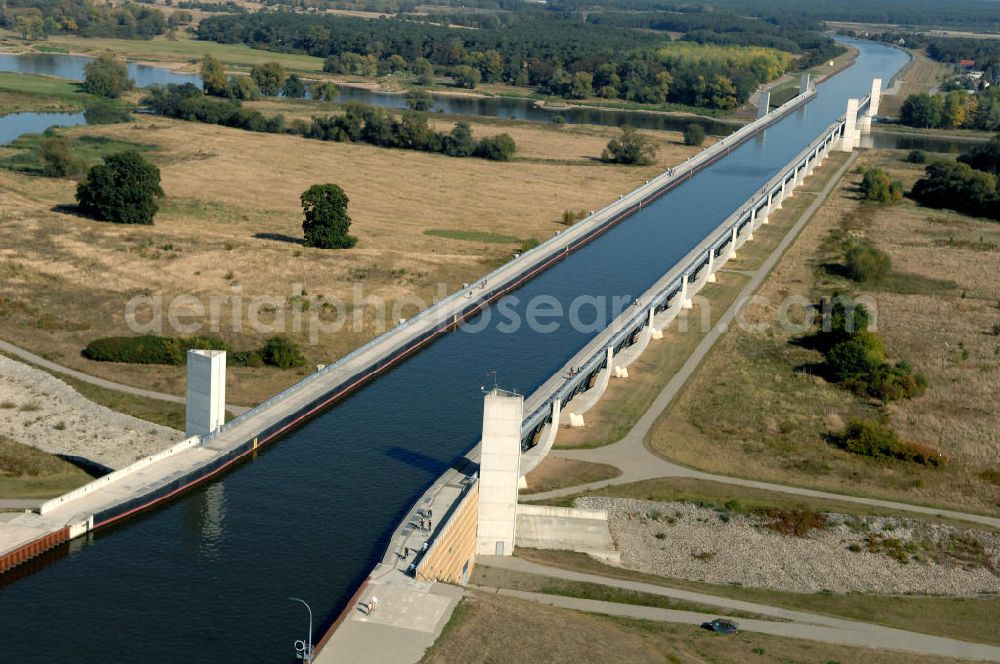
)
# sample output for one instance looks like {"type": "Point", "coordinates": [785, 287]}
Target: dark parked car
{"type": "Point", "coordinates": [721, 626]}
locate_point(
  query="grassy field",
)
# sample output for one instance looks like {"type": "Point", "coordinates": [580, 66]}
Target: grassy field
{"type": "Point", "coordinates": [487, 577]}
{"type": "Point", "coordinates": [754, 409]}
{"type": "Point", "coordinates": [230, 228]}
{"type": "Point", "coordinates": [20, 93]}
{"type": "Point", "coordinates": [965, 618]}
{"type": "Point", "coordinates": [626, 400]}
{"type": "Point", "coordinates": [185, 53]}
{"type": "Point", "coordinates": [506, 630]}
{"type": "Point", "coordinates": [921, 74]}
{"type": "Point", "coordinates": [26, 472]}
{"type": "Point", "coordinates": [555, 473]}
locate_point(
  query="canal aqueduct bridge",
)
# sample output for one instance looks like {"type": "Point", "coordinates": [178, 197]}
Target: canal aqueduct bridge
{"type": "Point", "coordinates": [161, 476]}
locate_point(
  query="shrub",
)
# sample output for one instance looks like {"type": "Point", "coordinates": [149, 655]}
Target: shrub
{"type": "Point", "coordinates": [916, 157]}
{"type": "Point", "coordinates": [498, 148]}
{"type": "Point", "coordinates": [879, 441]}
{"type": "Point", "coordinates": [106, 76]}
{"type": "Point", "coordinates": [859, 356]}
{"type": "Point", "coordinates": [148, 349]}
{"type": "Point", "coordinates": [630, 148]}
{"type": "Point", "coordinates": [58, 160]}
{"type": "Point", "coordinates": [694, 134]}
{"type": "Point", "coordinates": [876, 186]}
{"type": "Point", "coordinates": [866, 262]}
{"type": "Point", "coordinates": [282, 352]}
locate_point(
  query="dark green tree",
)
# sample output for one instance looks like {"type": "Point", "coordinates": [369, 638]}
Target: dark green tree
{"type": "Point", "coordinates": [282, 352]}
{"type": "Point", "coordinates": [326, 221]}
{"type": "Point", "coordinates": [269, 77]}
{"type": "Point", "coordinates": [106, 77]}
{"type": "Point", "coordinates": [124, 189]}
{"type": "Point", "coordinates": [630, 148]}
{"type": "Point", "coordinates": [323, 91]}
{"type": "Point", "coordinates": [419, 100]}
{"type": "Point", "coordinates": [694, 134]}
{"type": "Point", "coordinates": [498, 148]}
{"type": "Point", "coordinates": [921, 110]}
{"type": "Point", "coordinates": [424, 71]}
{"type": "Point", "coordinates": [294, 88]}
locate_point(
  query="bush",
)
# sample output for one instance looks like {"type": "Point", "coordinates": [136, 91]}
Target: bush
{"type": "Point", "coordinates": [916, 157]}
{"type": "Point", "coordinates": [630, 148]}
{"type": "Point", "coordinates": [58, 160]}
{"type": "Point", "coordinates": [498, 148]}
{"type": "Point", "coordinates": [866, 262]}
{"type": "Point", "coordinates": [106, 77]}
{"type": "Point", "coordinates": [879, 441]}
{"type": "Point", "coordinates": [958, 186]}
{"type": "Point", "coordinates": [859, 356]}
{"type": "Point", "coordinates": [282, 352]}
{"type": "Point", "coordinates": [148, 349]}
{"type": "Point", "coordinates": [124, 189]}
{"type": "Point", "coordinates": [876, 186]}
{"type": "Point", "coordinates": [694, 134]}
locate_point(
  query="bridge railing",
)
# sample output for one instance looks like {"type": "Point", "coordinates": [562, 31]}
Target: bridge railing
{"type": "Point", "coordinates": [539, 404]}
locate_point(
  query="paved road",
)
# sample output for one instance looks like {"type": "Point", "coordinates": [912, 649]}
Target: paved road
{"type": "Point", "coordinates": [48, 365]}
{"type": "Point", "coordinates": [800, 624]}
{"type": "Point", "coordinates": [637, 462]}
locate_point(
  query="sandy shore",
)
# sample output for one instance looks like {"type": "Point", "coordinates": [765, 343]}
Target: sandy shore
{"type": "Point", "coordinates": [686, 541]}
{"type": "Point", "coordinates": [40, 410]}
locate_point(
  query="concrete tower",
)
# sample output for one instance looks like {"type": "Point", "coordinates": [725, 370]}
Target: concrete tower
{"type": "Point", "coordinates": [206, 391]}
{"type": "Point", "coordinates": [499, 471]}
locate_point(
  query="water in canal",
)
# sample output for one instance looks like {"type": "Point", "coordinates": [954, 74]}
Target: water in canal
{"type": "Point", "coordinates": [207, 577]}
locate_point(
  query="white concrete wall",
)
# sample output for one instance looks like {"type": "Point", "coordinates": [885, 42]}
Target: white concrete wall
{"type": "Point", "coordinates": [499, 472]}
{"type": "Point", "coordinates": [206, 391]}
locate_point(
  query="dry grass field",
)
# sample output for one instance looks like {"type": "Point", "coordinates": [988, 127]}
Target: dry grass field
{"type": "Point", "coordinates": [921, 74]}
{"type": "Point", "coordinates": [626, 400]}
{"type": "Point", "coordinates": [230, 223]}
{"type": "Point", "coordinates": [752, 410]}
{"type": "Point", "coordinates": [489, 628]}
{"type": "Point", "coordinates": [555, 473]}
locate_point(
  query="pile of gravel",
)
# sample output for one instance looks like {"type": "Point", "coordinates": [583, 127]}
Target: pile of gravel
{"type": "Point", "coordinates": [40, 410]}
{"type": "Point", "coordinates": [848, 554]}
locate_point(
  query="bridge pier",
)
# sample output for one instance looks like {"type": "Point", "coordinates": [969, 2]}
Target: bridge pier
{"type": "Point", "coordinates": [499, 472]}
{"type": "Point", "coordinates": [711, 266]}
{"type": "Point", "coordinates": [686, 302]}
{"type": "Point", "coordinates": [873, 104]}
{"type": "Point", "coordinates": [849, 139]}
{"type": "Point", "coordinates": [763, 104]}
{"type": "Point", "coordinates": [205, 404]}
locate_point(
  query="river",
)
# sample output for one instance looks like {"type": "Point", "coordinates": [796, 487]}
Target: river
{"type": "Point", "coordinates": [207, 577]}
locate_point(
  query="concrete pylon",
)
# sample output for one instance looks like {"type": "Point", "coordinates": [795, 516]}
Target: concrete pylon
{"type": "Point", "coordinates": [765, 212]}
{"type": "Point", "coordinates": [763, 103]}
{"type": "Point", "coordinates": [653, 332]}
{"type": "Point", "coordinates": [205, 405]}
{"type": "Point", "coordinates": [804, 83]}
{"type": "Point", "coordinates": [732, 243]}
{"type": "Point", "coordinates": [499, 472]}
{"type": "Point", "coordinates": [686, 302]}
{"type": "Point", "coordinates": [873, 103]}
{"type": "Point", "coordinates": [711, 266]}
{"type": "Point", "coordinates": [849, 139]}
{"type": "Point", "coordinates": [751, 223]}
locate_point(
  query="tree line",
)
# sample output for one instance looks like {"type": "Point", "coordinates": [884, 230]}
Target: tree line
{"type": "Point", "coordinates": [557, 55]}
{"type": "Point", "coordinates": [35, 19]}
{"type": "Point", "coordinates": [953, 110]}
{"type": "Point", "coordinates": [968, 185]}
{"type": "Point", "coordinates": [359, 123]}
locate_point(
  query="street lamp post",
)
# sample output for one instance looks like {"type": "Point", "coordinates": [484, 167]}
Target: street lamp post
{"type": "Point", "coordinates": [304, 649]}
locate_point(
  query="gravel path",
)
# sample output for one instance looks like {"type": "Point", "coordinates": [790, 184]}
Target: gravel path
{"type": "Point", "coordinates": [850, 554]}
{"type": "Point", "coordinates": [40, 410]}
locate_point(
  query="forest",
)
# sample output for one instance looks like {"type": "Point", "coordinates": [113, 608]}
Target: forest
{"type": "Point", "coordinates": [557, 56]}
{"type": "Point", "coordinates": [37, 18]}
